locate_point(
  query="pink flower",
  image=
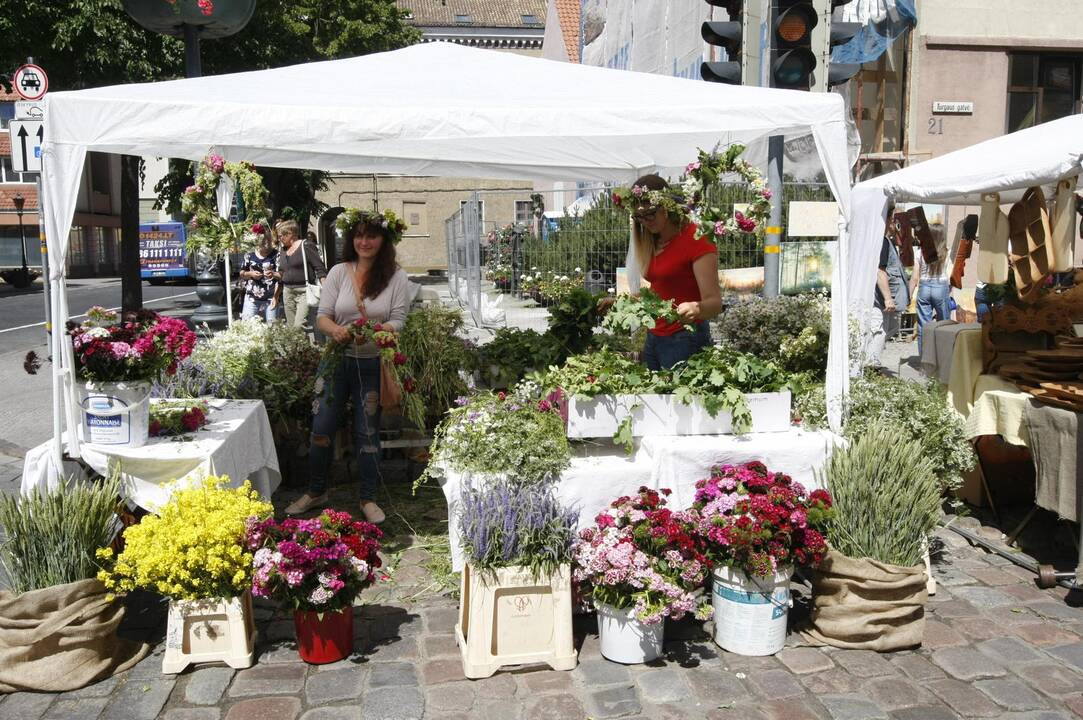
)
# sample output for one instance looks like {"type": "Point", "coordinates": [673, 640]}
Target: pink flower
{"type": "Point", "coordinates": [215, 162]}
{"type": "Point", "coordinates": [720, 228]}
{"type": "Point", "coordinates": [692, 167]}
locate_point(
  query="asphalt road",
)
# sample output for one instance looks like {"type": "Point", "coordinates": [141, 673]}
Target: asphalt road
{"type": "Point", "coordinates": [26, 400]}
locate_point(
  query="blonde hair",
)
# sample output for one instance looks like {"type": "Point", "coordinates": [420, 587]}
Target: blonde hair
{"type": "Point", "coordinates": [290, 226]}
{"type": "Point", "coordinates": [643, 242]}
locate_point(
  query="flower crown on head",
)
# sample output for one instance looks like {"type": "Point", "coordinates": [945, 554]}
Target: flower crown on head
{"type": "Point", "coordinates": [388, 220]}
{"type": "Point", "coordinates": [670, 199]}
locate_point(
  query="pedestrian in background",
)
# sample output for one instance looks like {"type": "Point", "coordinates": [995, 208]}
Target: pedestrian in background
{"type": "Point", "coordinates": [932, 283]}
{"type": "Point", "coordinates": [261, 287]}
{"type": "Point", "coordinates": [299, 263]}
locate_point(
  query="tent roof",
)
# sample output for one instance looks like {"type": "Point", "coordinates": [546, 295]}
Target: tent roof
{"type": "Point", "coordinates": [437, 109]}
{"type": "Point", "coordinates": [1040, 155]}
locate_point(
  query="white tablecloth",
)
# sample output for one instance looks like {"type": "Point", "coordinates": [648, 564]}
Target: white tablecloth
{"type": "Point", "coordinates": [236, 441]}
{"type": "Point", "coordinates": [600, 473]}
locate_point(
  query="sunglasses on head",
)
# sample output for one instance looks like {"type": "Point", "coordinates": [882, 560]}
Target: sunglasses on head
{"type": "Point", "coordinates": [645, 214]}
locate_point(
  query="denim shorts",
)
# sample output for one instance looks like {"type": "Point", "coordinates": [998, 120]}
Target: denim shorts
{"type": "Point", "coordinates": [661, 352]}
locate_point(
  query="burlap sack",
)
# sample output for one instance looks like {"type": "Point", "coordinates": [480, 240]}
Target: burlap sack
{"type": "Point", "coordinates": [864, 604]}
{"type": "Point", "coordinates": [62, 638]}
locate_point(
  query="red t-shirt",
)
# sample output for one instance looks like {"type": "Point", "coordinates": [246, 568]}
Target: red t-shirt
{"type": "Point", "coordinates": [671, 276]}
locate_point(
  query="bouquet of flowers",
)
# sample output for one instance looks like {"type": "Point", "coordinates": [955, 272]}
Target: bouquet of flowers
{"type": "Point", "coordinates": [137, 346]}
{"type": "Point", "coordinates": [319, 565]}
{"type": "Point", "coordinates": [362, 332]}
{"type": "Point", "coordinates": [641, 554]}
{"type": "Point", "coordinates": [518, 435]}
{"type": "Point", "coordinates": [193, 549]}
{"type": "Point", "coordinates": [759, 521]}
{"type": "Point", "coordinates": [176, 417]}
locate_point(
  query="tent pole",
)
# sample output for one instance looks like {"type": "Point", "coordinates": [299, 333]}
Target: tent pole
{"type": "Point", "coordinates": [773, 236]}
{"type": "Point", "coordinates": [229, 294]}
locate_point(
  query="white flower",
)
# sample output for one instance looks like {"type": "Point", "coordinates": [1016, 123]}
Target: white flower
{"type": "Point", "coordinates": [578, 270]}
{"type": "Point", "coordinates": [611, 291]}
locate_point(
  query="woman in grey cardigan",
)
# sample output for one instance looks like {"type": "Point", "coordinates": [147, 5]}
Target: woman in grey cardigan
{"type": "Point", "coordinates": [368, 284]}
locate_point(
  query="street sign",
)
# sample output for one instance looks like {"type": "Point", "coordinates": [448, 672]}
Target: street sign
{"type": "Point", "coordinates": [953, 107]}
{"type": "Point", "coordinates": [31, 82]}
{"type": "Point", "coordinates": [26, 138]}
{"type": "Point", "coordinates": [29, 109]}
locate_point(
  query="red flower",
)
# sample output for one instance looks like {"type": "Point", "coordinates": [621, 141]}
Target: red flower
{"type": "Point", "coordinates": [400, 359]}
{"type": "Point", "coordinates": [155, 427]}
{"type": "Point", "coordinates": [502, 395]}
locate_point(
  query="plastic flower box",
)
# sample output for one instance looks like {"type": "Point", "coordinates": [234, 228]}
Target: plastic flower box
{"type": "Point", "coordinates": [212, 630]}
{"type": "Point", "coordinates": [510, 617]}
{"type": "Point", "coordinates": [602, 415]}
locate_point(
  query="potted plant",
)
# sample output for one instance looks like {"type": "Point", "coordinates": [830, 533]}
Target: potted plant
{"type": "Point", "coordinates": [59, 625]}
{"type": "Point", "coordinates": [640, 564]}
{"type": "Point", "coordinates": [493, 435]}
{"type": "Point", "coordinates": [515, 601]}
{"type": "Point", "coordinates": [117, 358]}
{"type": "Point", "coordinates": [869, 592]}
{"type": "Point", "coordinates": [318, 567]}
{"type": "Point", "coordinates": [192, 551]}
{"type": "Point", "coordinates": [757, 525]}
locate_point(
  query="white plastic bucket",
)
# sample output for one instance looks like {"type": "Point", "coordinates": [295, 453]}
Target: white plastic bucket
{"type": "Point", "coordinates": [115, 413]}
{"type": "Point", "coordinates": [625, 639]}
{"type": "Point", "coordinates": [750, 612]}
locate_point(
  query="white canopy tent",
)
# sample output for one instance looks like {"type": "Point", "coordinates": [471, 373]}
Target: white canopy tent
{"type": "Point", "coordinates": [434, 109]}
{"type": "Point", "coordinates": [1041, 155]}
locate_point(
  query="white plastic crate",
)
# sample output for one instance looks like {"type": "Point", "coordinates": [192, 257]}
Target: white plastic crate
{"type": "Point", "coordinates": [602, 415]}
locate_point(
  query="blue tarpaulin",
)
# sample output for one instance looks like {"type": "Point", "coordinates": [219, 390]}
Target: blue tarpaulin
{"type": "Point", "coordinates": [876, 37]}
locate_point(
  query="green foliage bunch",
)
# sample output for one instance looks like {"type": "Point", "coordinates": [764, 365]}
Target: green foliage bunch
{"type": "Point", "coordinates": [505, 524]}
{"type": "Point", "coordinates": [572, 321]}
{"type": "Point", "coordinates": [515, 436]}
{"type": "Point", "coordinates": [720, 376]}
{"type": "Point", "coordinates": [51, 536]}
{"type": "Point", "coordinates": [790, 330]}
{"type": "Point", "coordinates": [886, 496]}
{"type": "Point", "coordinates": [604, 372]}
{"type": "Point", "coordinates": [437, 357]}
{"type": "Point", "coordinates": [514, 353]}
{"type": "Point", "coordinates": [917, 411]}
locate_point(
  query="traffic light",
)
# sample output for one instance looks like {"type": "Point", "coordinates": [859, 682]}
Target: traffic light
{"type": "Point", "coordinates": [730, 36]}
{"type": "Point", "coordinates": [792, 58]}
{"type": "Point", "coordinates": [840, 34]}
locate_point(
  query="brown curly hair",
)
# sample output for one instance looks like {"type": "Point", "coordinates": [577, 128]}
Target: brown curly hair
{"type": "Point", "coordinates": [384, 265]}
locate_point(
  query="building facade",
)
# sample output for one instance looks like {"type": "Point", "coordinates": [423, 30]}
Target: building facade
{"type": "Point", "coordinates": [516, 26]}
{"type": "Point", "coordinates": [94, 246]}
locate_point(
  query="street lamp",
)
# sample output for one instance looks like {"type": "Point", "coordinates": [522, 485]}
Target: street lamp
{"type": "Point", "coordinates": [24, 278]}
{"type": "Point", "coordinates": [191, 20]}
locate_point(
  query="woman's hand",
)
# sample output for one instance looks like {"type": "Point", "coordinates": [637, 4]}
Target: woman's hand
{"type": "Point", "coordinates": [340, 334]}
{"type": "Point", "coordinates": [688, 312]}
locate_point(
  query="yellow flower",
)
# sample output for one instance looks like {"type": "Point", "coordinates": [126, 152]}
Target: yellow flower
{"type": "Point", "coordinates": [193, 547]}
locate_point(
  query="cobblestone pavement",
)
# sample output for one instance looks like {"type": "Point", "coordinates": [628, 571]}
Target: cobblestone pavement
{"type": "Point", "coordinates": [995, 647]}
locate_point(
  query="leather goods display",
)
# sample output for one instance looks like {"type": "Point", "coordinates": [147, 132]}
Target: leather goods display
{"type": "Point", "coordinates": [1063, 225]}
{"type": "Point", "coordinates": [920, 227]}
{"type": "Point", "coordinates": [1029, 237]}
{"type": "Point", "coordinates": [1010, 331]}
{"type": "Point", "coordinates": [962, 247]}
{"type": "Point", "coordinates": [904, 238]}
{"type": "Point", "coordinates": [992, 241]}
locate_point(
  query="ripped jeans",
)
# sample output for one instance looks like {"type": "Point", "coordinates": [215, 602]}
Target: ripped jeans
{"type": "Point", "coordinates": [359, 380]}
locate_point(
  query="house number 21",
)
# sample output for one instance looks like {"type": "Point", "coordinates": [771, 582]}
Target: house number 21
{"type": "Point", "coordinates": [936, 126]}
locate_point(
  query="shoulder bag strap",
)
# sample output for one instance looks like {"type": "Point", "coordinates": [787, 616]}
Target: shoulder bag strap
{"type": "Point", "coordinates": [304, 260]}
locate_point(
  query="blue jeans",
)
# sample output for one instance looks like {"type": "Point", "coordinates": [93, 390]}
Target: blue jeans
{"type": "Point", "coordinates": [981, 305]}
{"type": "Point", "coordinates": [258, 308]}
{"type": "Point", "coordinates": [933, 299]}
{"type": "Point", "coordinates": [661, 352]}
{"type": "Point", "coordinates": [359, 380]}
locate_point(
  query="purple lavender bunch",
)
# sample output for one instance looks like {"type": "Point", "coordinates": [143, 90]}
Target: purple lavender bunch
{"type": "Point", "coordinates": [505, 524]}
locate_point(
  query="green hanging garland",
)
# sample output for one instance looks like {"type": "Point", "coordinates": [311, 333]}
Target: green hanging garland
{"type": "Point", "coordinates": [209, 232]}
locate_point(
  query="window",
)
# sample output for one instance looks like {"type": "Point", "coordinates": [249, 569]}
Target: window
{"type": "Point", "coordinates": [530, 20]}
{"type": "Point", "coordinates": [464, 19]}
{"type": "Point", "coordinates": [8, 174]}
{"type": "Point", "coordinates": [524, 212]}
{"type": "Point", "coordinates": [1041, 88]}
{"type": "Point", "coordinates": [416, 217]}
{"type": "Point", "coordinates": [7, 113]}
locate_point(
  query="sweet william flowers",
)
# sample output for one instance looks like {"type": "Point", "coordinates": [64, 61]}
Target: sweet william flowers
{"type": "Point", "coordinates": [318, 565]}
{"type": "Point", "coordinates": [645, 556]}
{"type": "Point", "coordinates": [136, 346]}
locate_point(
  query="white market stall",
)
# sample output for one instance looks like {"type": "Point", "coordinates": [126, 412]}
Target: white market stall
{"type": "Point", "coordinates": [1049, 156]}
{"type": "Point", "coordinates": [1039, 156]}
{"type": "Point", "coordinates": [432, 109]}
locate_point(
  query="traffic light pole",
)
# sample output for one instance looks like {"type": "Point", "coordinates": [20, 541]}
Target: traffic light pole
{"type": "Point", "coordinates": [773, 236]}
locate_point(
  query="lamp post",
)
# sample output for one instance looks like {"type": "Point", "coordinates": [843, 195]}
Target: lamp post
{"type": "Point", "coordinates": [24, 273]}
{"type": "Point", "coordinates": [186, 19]}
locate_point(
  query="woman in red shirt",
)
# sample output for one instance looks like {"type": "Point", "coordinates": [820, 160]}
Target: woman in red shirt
{"type": "Point", "coordinates": [680, 268]}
